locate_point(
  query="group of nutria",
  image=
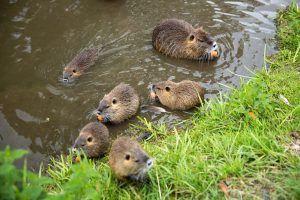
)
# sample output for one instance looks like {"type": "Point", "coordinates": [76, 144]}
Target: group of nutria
{"type": "Point", "coordinates": [127, 159]}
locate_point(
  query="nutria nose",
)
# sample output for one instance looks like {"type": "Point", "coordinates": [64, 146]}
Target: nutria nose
{"type": "Point", "coordinates": [149, 162]}
{"type": "Point", "coordinates": [215, 45]}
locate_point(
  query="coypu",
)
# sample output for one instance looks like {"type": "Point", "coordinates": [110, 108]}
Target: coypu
{"type": "Point", "coordinates": [86, 58]}
{"type": "Point", "coordinates": [120, 104]}
{"type": "Point", "coordinates": [179, 39]}
{"type": "Point", "coordinates": [178, 96]}
{"type": "Point", "coordinates": [93, 139]}
{"type": "Point", "coordinates": [81, 62]}
{"type": "Point", "coordinates": [128, 160]}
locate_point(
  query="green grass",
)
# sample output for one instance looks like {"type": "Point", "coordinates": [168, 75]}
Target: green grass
{"type": "Point", "coordinates": [240, 139]}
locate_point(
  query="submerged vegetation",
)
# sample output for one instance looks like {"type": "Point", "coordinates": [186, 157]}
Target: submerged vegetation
{"type": "Point", "coordinates": [241, 145]}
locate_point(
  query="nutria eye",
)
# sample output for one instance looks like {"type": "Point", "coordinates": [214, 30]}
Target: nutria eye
{"type": "Point", "coordinates": [200, 40]}
{"type": "Point", "coordinates": [90, 139]}
{"type": "Point", "coordinates": [74, 71]}
{"type": "Point", "coordinates": [192, 37]}
{"type": "Point", "coordinates": [137, 160]}
{"type": "Point", "coordinates": [168, 89]}
{"type": "Point", "coordinates": [114, 101]}
{"type": "Point", "coordinates": [127, 157]}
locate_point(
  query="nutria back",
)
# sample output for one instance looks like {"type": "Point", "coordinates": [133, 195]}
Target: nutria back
{"type": "Point", "coordinates": [178, 96]}
{"type": "Point", "coordinates": [120, 104]}
{"type": "Point", "coordinates": [179, 39]}
{"type": "Point", "coordinates": [128, 161]}
{"type": "Point", "coordinates": [93, 139]}
{"type": "Point", "coordinates": [82, 61]}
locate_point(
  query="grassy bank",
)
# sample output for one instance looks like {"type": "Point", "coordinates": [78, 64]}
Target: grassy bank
{"type": "Point", "coordinates": [239, 146]}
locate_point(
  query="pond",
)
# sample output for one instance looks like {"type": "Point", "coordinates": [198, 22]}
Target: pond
{"type": "Point", "coordinates": [40, 113]}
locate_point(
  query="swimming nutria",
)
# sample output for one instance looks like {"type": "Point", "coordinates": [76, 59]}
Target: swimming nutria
{"type": "Point", "coordinates": [120, 104]}
{"type": "Point", "coordinates": [179, 39]}
{"type": "Point", "coordinates": [86, 58]}
{"type": "Point", "coordinates": [81, 62]}
{"type": "Point", "coordinates": [178, 96]}
{"type": "Point", "coordinates": [93, 139]}
{"type": "Point", "coordinates": [128, 160]}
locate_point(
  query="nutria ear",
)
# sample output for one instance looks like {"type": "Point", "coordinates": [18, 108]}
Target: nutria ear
{"type": "Point", "coordinates": [192, 37]}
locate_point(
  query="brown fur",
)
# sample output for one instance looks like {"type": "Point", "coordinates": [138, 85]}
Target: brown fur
{"type": "Point", "coordinates": [178, 96]}
{"type": "Point", "coordinates": [128, 160]}
{"type": "Point", "coordinates": [179, 39]}
{"type": "Point", "coordinates": [81, 62]}
{"type": "Point", "coordinates": [93, 139]}
{"type": "Point", "coordinates": [120, 104]}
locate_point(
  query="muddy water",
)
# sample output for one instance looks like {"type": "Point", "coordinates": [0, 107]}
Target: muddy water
{"type": "Point", "coordinates": [40, 113]}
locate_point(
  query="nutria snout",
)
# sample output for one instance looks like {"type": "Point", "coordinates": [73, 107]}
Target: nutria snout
{"type": "Point", "coordinates": [178, 96]}
{"type": "Point", "coordinates": [179, 39]}
{"type": "Point", "coordinates": [93, 139]}
{"type": "Point", "coordinates": [120, 104]}
{"type": "Point", "coordinates": [128, 160]}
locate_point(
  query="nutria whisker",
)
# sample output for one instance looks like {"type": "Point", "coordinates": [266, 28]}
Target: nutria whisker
{"type": "Point", "coordinates": [92, 114]}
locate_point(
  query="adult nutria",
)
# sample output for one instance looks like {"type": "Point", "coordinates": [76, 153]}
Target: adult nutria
{"type": "Point", "coordinates": [93, 139]}
{"type": "Point", "coordinates": [80, 63]}
{"type": "Point", "coordinates": [178, 96]}
{"type": "Point", "coordinates": [118, 105]}
{"type": "Point", "coordinates": [128, 160]}
{"type": "Point", "coordinates": [179, 39]}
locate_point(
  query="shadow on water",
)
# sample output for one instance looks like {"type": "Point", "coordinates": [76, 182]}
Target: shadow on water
{"type": "Point", "coordinates": [38, 112]}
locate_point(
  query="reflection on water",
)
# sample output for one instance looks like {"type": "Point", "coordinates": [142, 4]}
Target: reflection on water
{"type": "Point", "coordinates": [38, 112]}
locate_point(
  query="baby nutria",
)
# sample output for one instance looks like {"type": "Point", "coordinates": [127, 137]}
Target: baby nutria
{"type": "Point", "coordinates": [128, 161]}
{"type": "Point", "coordinates": [86, 58]}
{"type": "Point", "coordinates": [178, 96]}
{"type": "Point", "coordinates": [179, 39]}
{"type": "Point", "coordinates": [81, 62]}
{"type": "Point", "coordinates": [120, 104]}
{"type": "Point", "coordinates": [93, 139]}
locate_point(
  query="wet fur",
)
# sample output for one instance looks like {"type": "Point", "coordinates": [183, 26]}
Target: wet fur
{"type": "Point", "coordinates": [172, 38]}
{"type": "Point", "coordinates": [181, 96]}
{"type": "Point", "coordinates": [100, 140]}
{"type": "Point", "coordinates": [127, 104]}
{"type": "Point", "coordinates": [134, 168]}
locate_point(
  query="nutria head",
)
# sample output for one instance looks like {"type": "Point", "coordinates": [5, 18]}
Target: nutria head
{"type": "Point", "coordinates": [70, 73]}
{"type": "Point", "coordinates": [179, 39]}
{"type": "Point", "coordinates": [120, 104]}
{"type": "Point", "coordinates": [178, 96]}
{"type": "Point", "coordinates": [128, 160]}
{"type": "Point", "coordinates": [199, 45]}
{"type": "Point", "coordinates": [93, 139]}
{"type": "Point", "coordinates": [82, 61]}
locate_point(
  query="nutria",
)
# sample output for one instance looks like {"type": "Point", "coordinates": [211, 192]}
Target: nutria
{"type": "Point", "coordinates": [93, 139]}
{"type": "Point", "coordinates": [120, 104]}
{"type": "Point", "coordinates": [81, 62]}
{"type": "Point", "coordinates": [179, 39]}
{"type": "Point", "coordinates": [178, 96]}
{"type": "Point", "coordinates": [86, 58]}
{"type": "Point", "coordinates": [128, 160]}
